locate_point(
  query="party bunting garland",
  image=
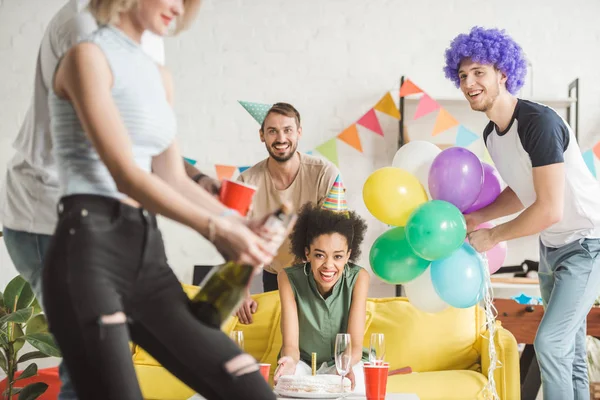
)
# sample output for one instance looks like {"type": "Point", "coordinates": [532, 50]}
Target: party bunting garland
{"type": "Point", "coordinates": [408, 88]}
{"type": "Point", "coordinates": [464, 137]}
{"type": "Point", "coordinates": [350, 137]}
{"type": "Point", "coordinates": [370, 121]}
{"type": "Point", "coordinates": [225, 171]}
{"type": "Point", "coordinates": [329, 150]}
{"type": "Point", "coordinates": [444, 121]}
{"type": "Point", "coordinates": [387, 105]}
{"type": "Point", "coordinates": [190, 161]}
{"type": "Point", "coordinates": [426, 105]}
{"type": "Point", "coordinates": [588, 157]}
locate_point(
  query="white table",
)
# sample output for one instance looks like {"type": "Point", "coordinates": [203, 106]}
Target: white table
{"type": "Point", "coordinates": [389, 396]}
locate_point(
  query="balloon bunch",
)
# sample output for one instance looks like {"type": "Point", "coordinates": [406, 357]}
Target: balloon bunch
{"type": "Point", "coordinates": [424, 195]}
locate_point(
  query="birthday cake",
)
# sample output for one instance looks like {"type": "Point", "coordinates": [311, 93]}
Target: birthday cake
{"type": "Point", "coordinates": [312, 384]}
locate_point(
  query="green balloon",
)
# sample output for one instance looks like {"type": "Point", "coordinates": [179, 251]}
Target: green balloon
{"type": "Point", "coordinates": [393, 260]}
{"type": "Point", "coordinates": [436, 229]}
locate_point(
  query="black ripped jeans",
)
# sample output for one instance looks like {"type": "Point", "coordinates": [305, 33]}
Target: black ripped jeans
{"type": "Point", "coordinates": [107, 257]}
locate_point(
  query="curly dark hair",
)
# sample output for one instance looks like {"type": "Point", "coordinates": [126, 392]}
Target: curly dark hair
{"type": "Point", "coordinates": [314, 221]}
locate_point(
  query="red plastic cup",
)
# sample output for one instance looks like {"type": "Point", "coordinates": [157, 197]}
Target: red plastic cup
{"type": "Point", "coordinates": [264, 371]}
{"type": "Point", "coordinates": [237, 195]}
{"type": "Point", "coordinates": [376, 380]}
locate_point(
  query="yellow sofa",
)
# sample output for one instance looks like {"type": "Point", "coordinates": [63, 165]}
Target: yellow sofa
{"type": "Point", "coordinates": [448, 351]}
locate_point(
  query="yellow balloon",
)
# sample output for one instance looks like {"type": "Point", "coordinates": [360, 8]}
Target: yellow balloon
{"type": "Point", "coordinates": [391, 194]}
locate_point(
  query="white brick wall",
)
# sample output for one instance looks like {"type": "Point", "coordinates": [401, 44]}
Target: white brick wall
{"type": "Point", "coordinates": [333, 59]}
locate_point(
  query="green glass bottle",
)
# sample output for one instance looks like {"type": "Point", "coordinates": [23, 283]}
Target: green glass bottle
{"type": "Point", "coordinates": [224, 288]}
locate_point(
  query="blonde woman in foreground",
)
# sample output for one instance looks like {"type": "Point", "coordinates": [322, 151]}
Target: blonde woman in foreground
{"type": "Point", "coordinates": [106, 279]}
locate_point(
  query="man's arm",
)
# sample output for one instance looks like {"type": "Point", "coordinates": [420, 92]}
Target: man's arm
{"type": "Point", "coordinates": [545, 140]}
{"type": "Point", "coordinates": [507, 203]}
{"type": "Point", "coordinates": [210, 184]}
{"type": "Point", "coordinates": [549, 184]}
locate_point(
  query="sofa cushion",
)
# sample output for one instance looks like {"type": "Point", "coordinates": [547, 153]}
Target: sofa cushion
{"type": "Point", "coordinates": [452, 335]}
{"type": "Point", "coordinates": [439, 385]}
{"type": "Point", "coordinates": [157, 383]}
{"type": "Point", "coordinates": [139, 355]}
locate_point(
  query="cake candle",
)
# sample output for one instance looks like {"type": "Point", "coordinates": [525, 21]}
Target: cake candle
{"type": "Point", "coordinates": [313, 361]}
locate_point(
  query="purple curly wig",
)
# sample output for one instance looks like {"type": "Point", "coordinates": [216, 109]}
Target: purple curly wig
{"type": "Point", "coordinates": [488, 46]}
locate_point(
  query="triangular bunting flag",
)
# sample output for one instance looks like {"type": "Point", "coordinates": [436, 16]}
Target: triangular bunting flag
{"type": "Point", "coordinates": [387, 105]}
{"type": "Point", "coordinates": [190, 161]}
{"type": "Point", "coordinates": [588, 157]}
{"type": "Point", "coordinates": [225, 171]}
{"type": "Point", "coordinates": [257, 110]}
{"type": "Point", "coordinates": [242, 169]}
{"type": "Point", "coordinates": [370, 121]}
{"type": "Point", "coordinates": [465, 137]}
{"type": "Point", "coordinates": [350, 137]}
{"type": "Point", "coordinates": [426, 105]}
{"type": "Point", "coordinates": [486, 156]}
{"type": "Point", "coordinates": [408, 88]}
{"type": "Point", "coordinates": [329, 150]}
{"type": "Point", "coordinates": [596, 150]}
{"type": "Point", "coordinates": [443, 122]}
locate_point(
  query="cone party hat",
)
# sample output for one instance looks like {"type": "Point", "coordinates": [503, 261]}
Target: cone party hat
{"type": "Point", "coordinates": [258, 111]}
{"type": "Point", "coordinates": [336, 198]}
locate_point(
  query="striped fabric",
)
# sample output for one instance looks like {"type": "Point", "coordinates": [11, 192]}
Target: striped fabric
{"type": "Point", "coordinates": [139, 95]}
{"type": "Point", "coordinates": [336, 198]}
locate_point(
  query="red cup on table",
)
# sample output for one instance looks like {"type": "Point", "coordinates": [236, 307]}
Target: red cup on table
{"type": "Point", "coordinates": [376, 380]}
{"type": "Point", "coordinates": [237, 195]}
{"type": "Point", "coordinates": [264, 371]}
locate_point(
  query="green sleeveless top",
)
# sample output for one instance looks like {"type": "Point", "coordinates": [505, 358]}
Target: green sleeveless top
{"type": "Point", "coordinates": [319, 319]}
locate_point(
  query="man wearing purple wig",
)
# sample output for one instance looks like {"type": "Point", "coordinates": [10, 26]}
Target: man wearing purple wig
{"type": "Point", "coordinates": [537, 155]}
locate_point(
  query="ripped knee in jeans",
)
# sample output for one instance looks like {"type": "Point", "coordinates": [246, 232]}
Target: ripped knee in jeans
{"type": "Point", "coordinates": [117, 319]}
{"type": "Point", "coordinates": [241, 365]}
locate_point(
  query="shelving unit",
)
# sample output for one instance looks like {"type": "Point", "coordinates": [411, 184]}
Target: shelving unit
{"type": "Point", "coordinates": [569, 103]}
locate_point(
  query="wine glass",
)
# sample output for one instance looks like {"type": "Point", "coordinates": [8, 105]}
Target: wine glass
{"type": "Point", "coordinates": [343, 356]}
{"type": "Point", "coordinates": [238, 338]}
{"type": "Point", "coordinates": [377, 349]}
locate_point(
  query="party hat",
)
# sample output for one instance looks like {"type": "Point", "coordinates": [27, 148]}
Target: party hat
{"type": "Point", "coordinates": [257, 110]}
{"type": "Point", "coordinates": [336, 198]}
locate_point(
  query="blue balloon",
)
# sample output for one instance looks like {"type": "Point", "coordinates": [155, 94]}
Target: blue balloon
{"type": "Point", "coordinates": [458, 278]}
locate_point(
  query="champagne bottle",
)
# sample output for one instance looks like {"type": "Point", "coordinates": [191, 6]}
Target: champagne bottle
{"type": "Point", "coordinates": [224, 288]}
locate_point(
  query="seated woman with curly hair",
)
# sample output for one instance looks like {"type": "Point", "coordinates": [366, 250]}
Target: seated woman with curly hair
{"type": "Point", "coordinates": [325, 295]}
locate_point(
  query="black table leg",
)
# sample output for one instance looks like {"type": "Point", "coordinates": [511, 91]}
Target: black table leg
{"type": "Point", "coordinates": [530, 374]}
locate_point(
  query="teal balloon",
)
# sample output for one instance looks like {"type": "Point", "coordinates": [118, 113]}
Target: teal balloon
{"type": "Point", "coordinates": [393, 260]}
{"type": "Point", "coordinates": [458, 279]}
{"type": "Point", "coordinates": [435, 229]}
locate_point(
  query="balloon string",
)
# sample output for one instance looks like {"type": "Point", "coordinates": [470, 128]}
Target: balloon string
{"type": "Point", "coordinates": [489, 390]}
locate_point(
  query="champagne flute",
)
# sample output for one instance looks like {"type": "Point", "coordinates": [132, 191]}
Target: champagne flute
{"type": "Point", "coordinates": [377, 349]}
{"type": "Point", "coordinates": [343, 356]}
{"type": "Point", "coordinates": [238, 338]}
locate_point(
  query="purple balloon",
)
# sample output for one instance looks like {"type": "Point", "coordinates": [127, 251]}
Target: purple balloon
{"type": "Point", "coordinates": [490, 190]}
{"type": "Point", "coordinates": [456, 176]}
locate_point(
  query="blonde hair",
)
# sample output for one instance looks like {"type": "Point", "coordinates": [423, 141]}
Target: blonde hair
{"type": "Point", "coordinates": [107, 11]}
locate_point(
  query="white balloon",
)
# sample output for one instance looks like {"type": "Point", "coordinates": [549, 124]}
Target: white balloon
{"type": "Point", "coordinates": [422, 294]}
{"type": "Point", "coordinates": [416, 157]}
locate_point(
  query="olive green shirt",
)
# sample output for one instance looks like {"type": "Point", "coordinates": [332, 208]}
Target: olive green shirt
{"type": "Point", "coordinates": [319, 319]}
